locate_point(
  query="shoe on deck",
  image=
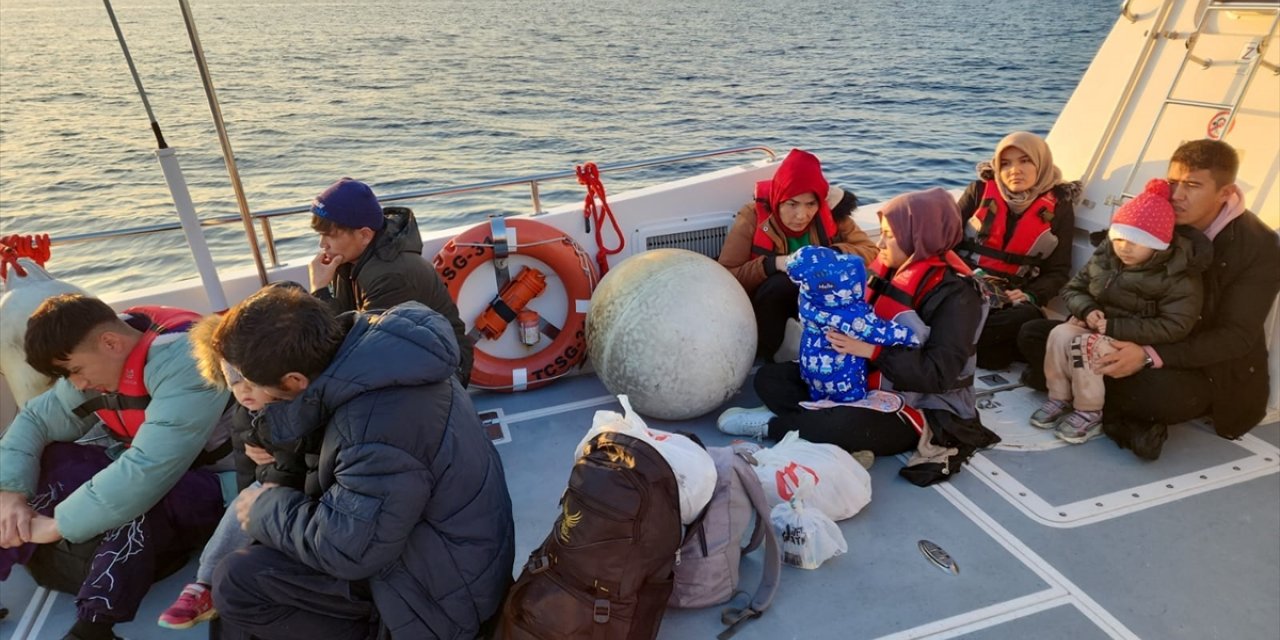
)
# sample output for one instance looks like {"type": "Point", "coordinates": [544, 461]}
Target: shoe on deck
{"type": "Point", "coordinates": [193, 606]}
{"type": "Point", "coordinates": [1049, 413]}
{"type": "Point", "coordinates": [747, 422]}
{"type": "Point", "coordinates": [1148, 443]}
{"type": "Point", "coordinates": [1079, 427]}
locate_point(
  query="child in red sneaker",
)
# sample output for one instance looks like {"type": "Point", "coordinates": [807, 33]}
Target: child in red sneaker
{"type": "Point", "coordinates": [258, 463]}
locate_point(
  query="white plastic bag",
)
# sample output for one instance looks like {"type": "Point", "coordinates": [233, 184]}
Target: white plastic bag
{"type": "Point", "coordinates": [693, 467]}
{"type": "Point", "coordinates": [841, 486]}
{"type": "Point", "coordinates": [808, 537]}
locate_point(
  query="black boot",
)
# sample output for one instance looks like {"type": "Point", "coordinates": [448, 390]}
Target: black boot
{"type": "Point", "coordinates": [1146, 444]}
{"type": "Point", "coordinates": [1120, 432]}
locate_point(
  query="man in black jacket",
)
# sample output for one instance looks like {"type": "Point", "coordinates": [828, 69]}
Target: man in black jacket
{"type": "Point", "coordinates": [405, 526]}
{"type": "Point", "coordinates": [1220, 370]}
{"type": "Point", "coordinates": [370, 259]}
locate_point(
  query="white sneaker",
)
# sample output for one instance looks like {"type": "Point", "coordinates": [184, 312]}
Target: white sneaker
{"type": "Point", "coordinates": [752, 422]}
{"type": "Point", "coordinates": [789, 350]}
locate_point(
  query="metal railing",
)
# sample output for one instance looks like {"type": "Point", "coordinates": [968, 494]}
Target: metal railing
{"type": "Point", "coordinates": [264, 217]}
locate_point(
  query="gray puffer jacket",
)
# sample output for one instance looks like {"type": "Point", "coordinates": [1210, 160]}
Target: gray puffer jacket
{"type": "Point", "coordinates": [1157, 302]}
{"type": "Point", "coordinates": [411, 493]}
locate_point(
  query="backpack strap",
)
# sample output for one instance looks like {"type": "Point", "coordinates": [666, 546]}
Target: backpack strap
{"type": "Point", "coordinates": [733, 616]}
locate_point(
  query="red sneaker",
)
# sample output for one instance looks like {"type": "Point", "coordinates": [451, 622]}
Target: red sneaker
{"type": "Point", "coordinates": [193, 606]}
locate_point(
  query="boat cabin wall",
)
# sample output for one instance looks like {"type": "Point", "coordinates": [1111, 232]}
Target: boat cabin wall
{"type": "Point", "coordinates": [1149, 90]}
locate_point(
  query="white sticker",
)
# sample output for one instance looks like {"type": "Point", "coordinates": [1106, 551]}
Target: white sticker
{"type": "Point", "coordinates": [582, 306]}
{"type": "Point", "coordinates": [519, 379]}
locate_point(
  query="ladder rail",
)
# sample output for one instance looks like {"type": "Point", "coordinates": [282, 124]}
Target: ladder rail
{"type": "Point", "coordinates": [1232, 107]}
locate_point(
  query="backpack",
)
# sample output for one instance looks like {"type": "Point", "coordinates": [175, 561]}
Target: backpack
{"type": "Point", "coordinates": [707, 566]}
{"type": "Point", "coordinates": [605, 570]}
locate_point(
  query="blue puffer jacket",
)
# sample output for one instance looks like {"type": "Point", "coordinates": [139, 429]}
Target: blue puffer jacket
{"type": "Point", "coordinates": [412, 494]}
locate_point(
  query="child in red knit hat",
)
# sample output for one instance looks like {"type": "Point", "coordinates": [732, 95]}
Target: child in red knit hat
{"type": "Point", "coordinates": [1142, 285]}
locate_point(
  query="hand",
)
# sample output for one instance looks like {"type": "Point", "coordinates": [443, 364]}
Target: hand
{"type": "Point", "coordinates": [781, 263]}
{"type": "Point", "coordinates": [1101, 327]}
{"type": "Point", "coordinates": [1094, 318]}
{"type": "Point", "coordinates": [1127, 359]}
{"type": "Point", "coordinates": [849, 345]}
{"type": "Point", "coordinates": [44, 530]}
{"type": "Point", "coordinates": [322, 268]}
{"type": "Point", "coordinates": [15, 519]}
{"type": "Point", "coordinates": [1076, 322]}
{"type": "Point", "coordinates": [1017, 296]}
{"type": "Point", "coordinates": [258, 455]}
{"type": "Point", "coordinates": [244, 502]}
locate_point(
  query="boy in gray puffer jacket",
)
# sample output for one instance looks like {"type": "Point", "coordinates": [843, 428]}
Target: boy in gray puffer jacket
{"type": "Point", "coordinates": [1142, 285]}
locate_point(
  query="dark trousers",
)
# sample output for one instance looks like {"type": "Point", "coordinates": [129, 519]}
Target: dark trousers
{"type": "Point", "coordinates": [262, 593]}
{"type": "Point", "coordinates": [998, 343]}
{"type": "Point", "coordinates": [775, 301]}
{"type": "Point", "coordinates": [782, 389]}
{"type": "Point", "coordinates": [125, 563]}
{"type": "Point", "coordinates": [1151, 396]}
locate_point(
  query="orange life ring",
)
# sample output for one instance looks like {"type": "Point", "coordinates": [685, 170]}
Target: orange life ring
{"type": "Point", "coordinates": [476, 246]}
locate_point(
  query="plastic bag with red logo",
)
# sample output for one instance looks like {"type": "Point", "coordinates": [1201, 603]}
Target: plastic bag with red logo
{"type": "Point", "coordinates": [807, 536]}
{"type": "Point", "coordinates": [841, 486]}
{"type": "Point", "coordinates": [693, 467]}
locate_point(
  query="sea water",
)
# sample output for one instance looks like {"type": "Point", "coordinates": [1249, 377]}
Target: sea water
{"type": "Point", "coordinates": [417, 94]}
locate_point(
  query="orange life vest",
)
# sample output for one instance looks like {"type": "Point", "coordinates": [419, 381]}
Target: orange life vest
{"type": "Point", "coordinates": [984, 245]}
{"type": "Point", "coordinates": [124, 411]}
{"type": "Point", "coordinates": [762, 244]}
{"type": "Point", "coordinates": [898, 298]}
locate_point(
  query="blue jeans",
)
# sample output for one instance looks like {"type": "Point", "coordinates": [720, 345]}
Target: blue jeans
{"type": "Point", "coordinates": [226, 539]}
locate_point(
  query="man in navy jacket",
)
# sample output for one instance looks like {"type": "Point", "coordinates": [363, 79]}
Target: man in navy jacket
{"type": "Point", "coordinates": [409, 530]}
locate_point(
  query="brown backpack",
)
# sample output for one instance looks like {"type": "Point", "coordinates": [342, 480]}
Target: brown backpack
{"type": "Point", "coordinates": [605, 570]}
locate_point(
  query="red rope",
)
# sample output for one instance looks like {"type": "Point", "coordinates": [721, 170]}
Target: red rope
{"type": "Point", "coordinates": [589, 176]}
{"type": "Point", "coordinates": [17, 246]}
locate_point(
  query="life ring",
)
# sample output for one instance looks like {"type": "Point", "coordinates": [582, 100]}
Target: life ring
{"type": "Point", "coordinates": [562, 346]}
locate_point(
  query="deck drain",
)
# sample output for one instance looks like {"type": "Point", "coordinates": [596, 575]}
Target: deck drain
{"type": "Point", "coordinates": [940, 558]}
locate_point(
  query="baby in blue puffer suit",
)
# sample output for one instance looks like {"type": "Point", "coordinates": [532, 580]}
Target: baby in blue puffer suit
{"type": "Point", "coordinates": [831, 297]}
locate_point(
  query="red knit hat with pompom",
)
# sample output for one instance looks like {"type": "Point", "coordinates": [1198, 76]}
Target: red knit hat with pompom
{"type": "Point", "coordinates": [1147, 219]}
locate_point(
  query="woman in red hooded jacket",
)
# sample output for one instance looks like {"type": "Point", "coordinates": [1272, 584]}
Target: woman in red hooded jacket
{"type": "Point", "coordinates": [797, 208]}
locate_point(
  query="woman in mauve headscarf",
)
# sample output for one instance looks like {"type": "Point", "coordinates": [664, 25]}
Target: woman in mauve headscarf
{"type": "Point", "coordinates": [796, 208]}
{"type": "Point", "coordinates": [1018, 219]}
{"type": "Point", "coordinates": [918, 281]}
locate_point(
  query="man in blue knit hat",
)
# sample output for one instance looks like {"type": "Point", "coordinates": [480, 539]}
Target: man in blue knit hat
{"type": "Point", "coordinates": [371, 259]}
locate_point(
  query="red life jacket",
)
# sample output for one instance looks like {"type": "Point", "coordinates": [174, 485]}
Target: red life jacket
{"type": "Point", "coordinates": [125, 410]}
{"type": "Point", "coordinates": [902, 293]}
{"type": "Point", "coordinates": [984, 239]}
{"type": "Point", "coordinates": [762, 244]}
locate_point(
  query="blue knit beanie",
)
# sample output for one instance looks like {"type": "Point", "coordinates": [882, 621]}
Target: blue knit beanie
{"type": "Point", "coordinates": [350, 203]}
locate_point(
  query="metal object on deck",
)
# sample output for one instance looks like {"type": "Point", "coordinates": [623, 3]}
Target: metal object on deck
{"type": "Point", "coordinates": [939, 557]}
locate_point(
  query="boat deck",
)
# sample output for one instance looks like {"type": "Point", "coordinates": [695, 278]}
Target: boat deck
{"type": "Point", "coordinates": [1052, 541]}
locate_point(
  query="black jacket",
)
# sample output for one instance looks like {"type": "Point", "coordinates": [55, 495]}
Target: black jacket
{"type": "Point", "coordinates": [1229, 342]}
{"type": "Point", "coordinates": [1157, 302]}
{"type": "Point", "coordinates": [409, 493]}
{"type": "Point", "coordinates": [953, 311]}
{"type": "Point", "coordinates": [293, 460]}
{"type": "Point", "coordinates": [391, 271]}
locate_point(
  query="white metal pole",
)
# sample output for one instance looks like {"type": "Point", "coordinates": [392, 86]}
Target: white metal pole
{"type": "Point", "coordinates": [177, 186]}
{"type": "Point", "coordinates": [191, 228]}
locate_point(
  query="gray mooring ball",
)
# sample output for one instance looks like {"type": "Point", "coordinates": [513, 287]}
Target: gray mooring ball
{"type": "Point", "coordinates": [673, 330]}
